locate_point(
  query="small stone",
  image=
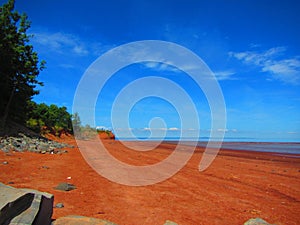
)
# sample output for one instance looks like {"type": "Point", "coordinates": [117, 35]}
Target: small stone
{"type": "Point", "coordinates": [43, 152]}
{"type": "Point", "coordinates": [5, 163]}
{"type": "Point", "coordinates": [59, 205]}
{"type": "Point", "coordinates": [65, 187]}
{"type": "Point", "coordinates": [256, 221]}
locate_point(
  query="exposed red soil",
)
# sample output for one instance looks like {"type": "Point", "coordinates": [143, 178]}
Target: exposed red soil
{"type": "Point", "coordinates": [239, 185]}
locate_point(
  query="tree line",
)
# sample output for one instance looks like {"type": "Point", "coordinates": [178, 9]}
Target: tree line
{"type": "Point", "coordinates": [49, 119]}
{"type": "Point", "coordinates": [19, 69]}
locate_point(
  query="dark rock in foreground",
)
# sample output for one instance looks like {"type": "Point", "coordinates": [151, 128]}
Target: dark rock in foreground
{"type": "Point", "coordinates": [25, 206]}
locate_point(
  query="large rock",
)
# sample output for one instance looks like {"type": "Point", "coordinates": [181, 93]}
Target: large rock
{"type": "Point", "coordinates": [256, 221]}
{"type": "Point", "coordinates": [25, 206]}
{"type": "Point", "coordinates": [79, 220]}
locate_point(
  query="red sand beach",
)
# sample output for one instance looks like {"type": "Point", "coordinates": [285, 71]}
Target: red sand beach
{"type": "Point", "coordinates": [238, 185]}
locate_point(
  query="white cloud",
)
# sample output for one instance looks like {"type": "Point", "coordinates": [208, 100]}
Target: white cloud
{"type": "Point", "coordinates": [161, 66]}
{"type": "Point", "coordinates": [222, 130]}
{"type": "Point", "coordinates": [60, 42]}
{"type": "Point", "coordinates": [161, 128]}
{"type": "Point", "coordinates": [284, 69]}
{"type": "Point", "coordinates": [219, 75]}
{"type": "Point", "coordinates": [292, 132]}
{"type": "Point", "coordinates": [224, 75]}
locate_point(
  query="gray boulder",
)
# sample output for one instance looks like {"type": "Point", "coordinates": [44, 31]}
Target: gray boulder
{"type": "Point", "coordinates": [256, 221]}
{"type": "Point", "coordinates": [25, 206]}
{"type": "Point", "coordinates": [65, 187]}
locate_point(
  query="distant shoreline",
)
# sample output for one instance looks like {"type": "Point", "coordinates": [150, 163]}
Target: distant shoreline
{"type": "Point", "coordinates": [281, 148]}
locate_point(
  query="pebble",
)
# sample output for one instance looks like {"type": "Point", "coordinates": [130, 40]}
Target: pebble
{"type": "Point", "coordinates": [59, 205]}
{"type": "Point", "coordinates": [65, 187]}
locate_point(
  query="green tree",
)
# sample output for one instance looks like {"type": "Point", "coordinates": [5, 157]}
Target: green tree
{"type": "Point", "coordinates": [19, 65]}
{"type": "Point", "coordinates": [53, 119]}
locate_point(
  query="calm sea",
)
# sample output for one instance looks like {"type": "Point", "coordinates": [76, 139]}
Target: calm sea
{"type": "Point", "coordinates": [264, 145]}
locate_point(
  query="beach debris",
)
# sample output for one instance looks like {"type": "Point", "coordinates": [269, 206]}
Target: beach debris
{"type": "Point", "coordinates": [255, 211]}
{"type": "Point", "coordinates": [256, 221]}
{"type": "Point", "coordinates": [69, 178]}
{"type": "Point", "coordinates": [65, 187]}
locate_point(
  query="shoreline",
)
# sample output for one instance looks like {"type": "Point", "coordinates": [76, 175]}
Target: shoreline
{"type": "Point", "coordinates": [282, 148]}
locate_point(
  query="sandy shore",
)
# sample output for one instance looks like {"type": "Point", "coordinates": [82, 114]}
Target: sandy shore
{"type": "Point", "coordinates": [239, 185]}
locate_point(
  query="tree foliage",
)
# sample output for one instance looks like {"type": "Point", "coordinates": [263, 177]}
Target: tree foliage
{"type": "Point", "coordinates": [19, 65]}
{"type": "Point", "coordinates": [53, 119]}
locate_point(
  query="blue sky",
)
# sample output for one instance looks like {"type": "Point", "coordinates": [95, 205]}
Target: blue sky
{"type": "Point", "coordinates": [252, 47]}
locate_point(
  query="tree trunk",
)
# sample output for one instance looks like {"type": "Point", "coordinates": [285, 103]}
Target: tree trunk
{"type": "Point", "coordinates": [6, 111]}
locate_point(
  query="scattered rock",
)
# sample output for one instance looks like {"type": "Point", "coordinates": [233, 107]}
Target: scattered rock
{"type": "Point", "coordinates": [23, 143]}
{"type": "Point", "coordinates": [65, 187]}
{"type": "Point", "coordinates": [256, 221]}
{"type": "Point", "coordinates": [5, 163]}
{"type": "Point", "coordinates": [76, 220]}
{"type": "Point", "coordinates": [25, 206]}
{"type": "Point", "coordinates": [59, 205]}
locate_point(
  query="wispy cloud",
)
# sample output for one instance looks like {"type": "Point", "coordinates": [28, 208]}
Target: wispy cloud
{"type": "Point", "coordinates": [67, 43]}
{"type": "Point", "coordinates": [224, 75]}
{"type": "Point", "coordinates": [219, 75]}
{"type": "Point", "coordinates": [273, 61]}
{"type": "Point", "coordinates": [60, 42]}
{"type": "Point", "coordinates": [161, 66]}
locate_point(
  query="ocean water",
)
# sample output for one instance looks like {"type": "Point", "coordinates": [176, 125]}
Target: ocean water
{"type": "Point", "coordinates": [276, 147]}
{"type": "Point", "coordinates": [280, 146]}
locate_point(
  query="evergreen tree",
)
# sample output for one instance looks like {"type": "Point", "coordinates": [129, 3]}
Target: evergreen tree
{"type": "Point", "coordinates": [19, 65]}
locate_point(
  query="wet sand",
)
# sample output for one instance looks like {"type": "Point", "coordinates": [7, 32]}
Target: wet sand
{"type": "Point", "coordinates": [238, 185]}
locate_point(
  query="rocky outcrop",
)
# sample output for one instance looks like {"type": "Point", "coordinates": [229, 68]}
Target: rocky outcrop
{"type": "Point", "coordinates": [106, 135]}
{"type": "Point", "coordinates": [24, 206]}
{"type": "Point", "coordinates": [32, 144]}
